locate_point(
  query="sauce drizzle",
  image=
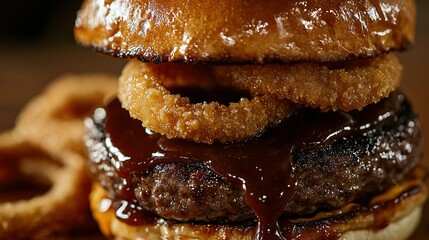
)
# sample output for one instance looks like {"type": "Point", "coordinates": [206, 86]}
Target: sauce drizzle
{"type": "Point", "coordinates": [262, 166]}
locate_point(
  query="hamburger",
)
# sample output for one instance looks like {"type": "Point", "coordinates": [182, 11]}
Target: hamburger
{"type": "Point", "coordinates": [254, 120]}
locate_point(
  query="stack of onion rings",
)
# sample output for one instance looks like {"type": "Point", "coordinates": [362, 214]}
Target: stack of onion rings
{"type": "Point", "coordinates": [62, 208]}
{"type": "Point", "coordinates": [143, 91]}
{"type": "Point", "coordinates": [55, 116]}
{"type": "Point", "coordinates": [46, 149]}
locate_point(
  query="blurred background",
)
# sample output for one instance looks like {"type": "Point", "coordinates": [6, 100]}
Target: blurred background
{"type": "Point", "coordinates": [37, 45]}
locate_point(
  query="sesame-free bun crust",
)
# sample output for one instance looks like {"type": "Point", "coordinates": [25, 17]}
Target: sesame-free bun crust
{"type": "Point", "coordinates": [392, 215]}
{"type": "Point", "coordinates": [245, 31]}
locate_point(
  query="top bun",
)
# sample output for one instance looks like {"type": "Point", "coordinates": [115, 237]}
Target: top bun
{"type": "Point", "coordinates": [245, 31]}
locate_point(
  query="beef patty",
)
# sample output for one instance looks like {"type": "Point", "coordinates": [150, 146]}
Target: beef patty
{"type": "Point", "coordinates": [354, 168]}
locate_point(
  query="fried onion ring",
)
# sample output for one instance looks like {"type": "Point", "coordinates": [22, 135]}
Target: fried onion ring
{"type": "Point", "coordinates": [143, 92]}
{"type": "Point", "coordinates": [61, 208]}
{"type": "Point", "coordinates": [329, 86]}
{"type": "Point", "coordinates": [56, 115]}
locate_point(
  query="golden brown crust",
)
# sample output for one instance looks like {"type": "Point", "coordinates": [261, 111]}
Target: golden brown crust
{"type": "Point", "coordinates": [63, 207]}
{"type": "Point", "coordinates": [250, 31]}
{"type": "Point", "coordinates": [393, 215]}
{"type": "Point", "coordinates": [142, 91]}
{"type": "Point", "coordinates": [56, 115]}
{"type": "Point", "coordinates": [329, 86]}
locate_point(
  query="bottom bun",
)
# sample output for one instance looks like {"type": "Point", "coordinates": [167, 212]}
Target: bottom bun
{"type": "Point", "coordinates": [394, 214]}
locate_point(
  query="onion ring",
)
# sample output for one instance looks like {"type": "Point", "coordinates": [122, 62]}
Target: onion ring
{"type": "Point", "coordinates": [56, 115]}
{"type": "Point", "coordinates": [329, 86]}
{"type": "Point", "coordinates": [62, 208]}
{"type": "Point", "coordinates": [142, 91]}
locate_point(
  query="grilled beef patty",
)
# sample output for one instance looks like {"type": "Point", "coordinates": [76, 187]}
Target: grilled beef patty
{"type": "Point", "coordinates": [353, 168]}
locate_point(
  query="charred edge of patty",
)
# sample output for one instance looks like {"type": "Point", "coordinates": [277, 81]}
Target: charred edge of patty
{"type": "Point", "coordinates": [352, 169]}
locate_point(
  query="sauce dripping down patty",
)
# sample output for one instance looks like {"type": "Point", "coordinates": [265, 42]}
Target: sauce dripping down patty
{"type": "Point", "coordinates": [261, 165]}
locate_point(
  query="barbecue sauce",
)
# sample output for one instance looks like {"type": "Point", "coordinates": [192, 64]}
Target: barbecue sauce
{"type": "Point", "coordinates": [262, 166]}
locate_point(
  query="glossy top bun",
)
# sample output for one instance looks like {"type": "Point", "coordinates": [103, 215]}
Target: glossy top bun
{"type": "Point", "coordinates": [245, 31]}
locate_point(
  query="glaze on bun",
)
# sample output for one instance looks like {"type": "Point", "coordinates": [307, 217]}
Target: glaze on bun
{"type": "Point", "coordinates": [245, 31]}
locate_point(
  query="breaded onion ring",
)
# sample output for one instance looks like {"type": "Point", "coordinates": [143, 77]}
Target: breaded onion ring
{"type": "Point", "coordinates": [329, 86]}
{"type": "Point", "coordinates": [245, 31]}
{"type": "Point", "coordinates": [56, 116]}
{"type": "Point", "coordinates": [143, 92]}
{"type": "Point", "coordinates": [62, 208]}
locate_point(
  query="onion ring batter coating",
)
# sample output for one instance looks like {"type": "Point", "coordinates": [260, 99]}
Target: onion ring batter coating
{"type": "Point", "coordinates": [62, 208]}
{"type": "Point", "coordinates": [56, 115]}
{"type": "Point", "coordinates": [143, 92]}
{"type": "Point", "coordinates": [329, 86]}
{"type": "Point", "coordinates": [250, 31]}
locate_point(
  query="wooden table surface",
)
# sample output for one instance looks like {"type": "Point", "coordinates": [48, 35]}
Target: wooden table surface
{"type": "Point", "coordinates": [26, 67]}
